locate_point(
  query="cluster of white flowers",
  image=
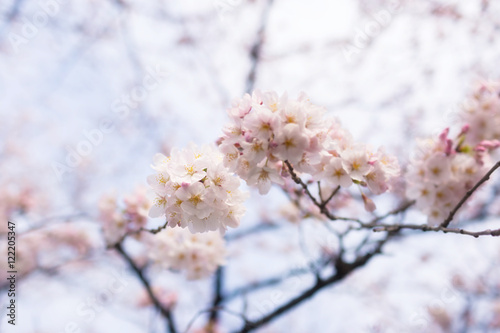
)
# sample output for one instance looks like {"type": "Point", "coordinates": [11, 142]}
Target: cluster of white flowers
{"type": "Point", "coordinates": [194, 189]}
{"type": "Point", "coordinates": [266, 130]}
{"type": "Point", "coordinates": [198, 255]}
{"type": "Point", "coordinates": [482, 113]}
{"type": "Point", "coordinates": [117, 221]}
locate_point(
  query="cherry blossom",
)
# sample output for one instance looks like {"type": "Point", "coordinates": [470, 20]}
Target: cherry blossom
{"type": "Point", "coordinates": [194, 189]}
{"type": "Point", "coordinates": [443, 171]}
{"type": "Point", "coordinates": [266, 130]}
{"type": "Point", "coordinates": [481, 112]}
{"type": "Point", "coordinates": [117, 221]}
{"type": "Point", "coordinates": [196, 255]}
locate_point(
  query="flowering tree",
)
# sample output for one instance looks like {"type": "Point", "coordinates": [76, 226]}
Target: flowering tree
{"type": "Point", "coordinates": [188, 222]}
{"type": "Point", "coordinates": [278, 141]}
{"type": "Point", "coordinates": [270, 141]}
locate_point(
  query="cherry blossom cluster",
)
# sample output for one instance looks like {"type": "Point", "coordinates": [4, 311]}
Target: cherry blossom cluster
{"type": "Point", "coordinates": [266, 130]}
{"type": "Point", "coordinates": [195, 190]}
{"type": "Point", "coordinates": [46, 248]}
{"type": "Point", "coordinates": [19, 199]}
{"type": "Point", "coordinates": [196, 255]}
{"type": "Point", "coordinates": [118, 221]}
{"type": "Point", "coordinates": [445, 169]}
{"type": "Point", "coordinates": [443, 172]}
{"type": "Point", "coordinates": [482, 113]}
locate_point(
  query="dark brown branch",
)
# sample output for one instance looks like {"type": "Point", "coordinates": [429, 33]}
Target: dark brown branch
{"type": "Point", "coordinates": [299, 181]}
{"type": "Point", "coordinates": [468, 194]}
{"type": "Point", "coordinates": [269, 282]}
{"type": "Point", "coordinates": [322, 207]}
{"type": "Point", "coordinates": [425, 227]}
{"type": "Point", "coordinates": [342, 270]}
{"type": "Point", "coordinates": [166, 313]}
{"type": "Point", "coordinates": [397, 227]}
{"type": "Point", "coordinates": [218, 295]}
{"type": "Point", "coordinates": [396, 211]}
{"type": "Point", "coordinates": [219, 308]}
{"type": "Point", "coordinates": [250, 83]}
{"type": "Point", "coordinates": [325, 202]}
{"type": "Point", "coordinates": [156, 230]}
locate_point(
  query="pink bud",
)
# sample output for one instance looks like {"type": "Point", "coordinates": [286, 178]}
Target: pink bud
{"type": "Point", "coordinates": [465, 129]}
{"type": "Point", "coordinates": [489, 144]}
{"type": "Point", "coordinates": [449, 147]}
{"type": "Point", "coordinates": [369, 204]}
{"type": "Point", "coordinates": [273, 144]}
{"type": "Point", "coordinates": [444, 134]}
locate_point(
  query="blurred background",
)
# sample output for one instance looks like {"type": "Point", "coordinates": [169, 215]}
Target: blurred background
{"type": "Point", "coordinates": [92, 89]}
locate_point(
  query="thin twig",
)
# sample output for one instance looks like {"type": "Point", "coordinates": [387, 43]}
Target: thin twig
{"type": "Point", "coordinates": [299, 181]}
{"type": "Point", "coordinates": [322, 208]}
{"type": "Point", "coordinates": [469, 193]}
{"type": "Point", "coordinates": [325, 202]}
{"type": "Point", "coordinates": [396, 211]}
{"type": "Point", "coordinates": [426, 227]}
{"type": "Point", "coordinates": [156, 230]}
{"type": "Point", "coordinates": [218, 308]}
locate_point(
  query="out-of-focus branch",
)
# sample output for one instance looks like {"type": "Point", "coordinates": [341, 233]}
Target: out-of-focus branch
{"type": "Point", "coordinates": [15, 10]}
{"type": "Point", "coordinates": [403, 208]}
{"type": "Point", "coordinates": [269, 282]}
{"type": "Point", "coordinates": [219, 308]}
{"type": "Point", "coordinates": [256, 49]}
{"type": "Point", "coordinates": [250, 82]}
{"type": "Point", "coordinates": [263, 226]}
{"type": "Point", "coordinates": [342, 269]}
{"type": "Point", "coordinates": [218, 295]}
{"type": "Point", "coordinates": [46, 222]}
{"type": "Point", "coordinates": [166, 313]}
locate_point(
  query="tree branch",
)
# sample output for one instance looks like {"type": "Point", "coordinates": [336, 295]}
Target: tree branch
{"type": "Point", "coordinates": [468, 194]}
{"type": "Point", "coordinates": [342, 270]}
{"type": "Point", "coordinates": [256, 49]}
{"type": "Point", "coordinates": [264, 226]}
{"type": "Point", "coordinates": [269, 282]}
{"type": "Point", "coordinates": [218, 297]}
{"type": "Point", "coordinates": [443, 227]}
{"type": "Point", "coordinates": [164, 311]}
{"type": "Point", "coordinates": [425, 227]}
